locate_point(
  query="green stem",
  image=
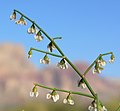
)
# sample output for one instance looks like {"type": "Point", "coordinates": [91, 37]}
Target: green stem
{"type": "Point", "coordinates": [46, 52]}
{"type": "Point", "coordinates": [106, 53]}
{"type": "Point", "coordinates": [95, 62]}
{"type": "Point", "coordinates": [87, 84]}
{"type": "Point", "coordinates": [97, 102]}
{"type": "Point", "coordinates": [66, 91]}
{"type": "Point", "coordinates": [118, 109]}
{"type": "Point", "coordinates": [57, 38]}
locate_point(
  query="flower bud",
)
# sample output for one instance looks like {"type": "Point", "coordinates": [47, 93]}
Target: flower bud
{"type": "Point", "coordinates": [112, 58]}
{"type": "Point", "coordinates": [30, 54]}
{"type": "Point", "coordinates": [13, 16]}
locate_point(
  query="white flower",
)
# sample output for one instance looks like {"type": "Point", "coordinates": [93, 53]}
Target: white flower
{"type": "Point", "coordinates": [104, 109]}
{"type": "Point", "coordinates": [51, 47]}
{"type": "Point", "coordinates": [38, 37]}
{"type": "Point", "coordinates": [13, 16]}
{"type": "Point", "coordinates": [32, 29]}
{"type": "Point", "coordinates": [96, 71]}
{"type": "Point", "coordinates": [97, 68]}
{"type": "Point", "coordinates": [45, 60]}
{"type": "Point", "coordinates": [101, 62]}
{"type": "Point", "coordinates": [62, 64]}
{"type": "Point", "coordinates": [82, 84]}
{"type": "Point", "coordinates": [29, 56]}
{"type": "Point", "coordinates": [54, 96]}
{"type": "Point", "coordinates": [90, 108]}
{"type": "Point", "coordinates": [34, 92]}
{"type": "Point", "coordinates": [21, 21]}
{"type": "Point", "coordinates": [68, 100]}
{"type": "Point", "coordinates": [93, 106]}
{"type": "Point", "coordinates": [112, 59]}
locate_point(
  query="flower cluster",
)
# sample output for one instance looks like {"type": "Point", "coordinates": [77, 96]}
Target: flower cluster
{"type": "Point", "coordinates": [55, 97]}
{"type": "Point", "coordinates": [93, 107]}
{"type": "Point", "coordinates": [62, 64]}
{"type": "Point", "coordinates": [38, 37]}
{"type": "Point", "coordinates": [99, 66]}
{"type": "Point", "coordinates": [20, 21]}
{"type": "Point", "coordinates": [31, 30]}
{"type": "Point", "coordinates": [100, 63]}
{"type": "Point", "coordinates": [34, 92]}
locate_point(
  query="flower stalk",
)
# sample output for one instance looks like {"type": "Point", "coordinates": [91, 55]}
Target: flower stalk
{"type": "Point", "coordinates": [45, 52]}
{"type": "Point", "coordinates": [118, 109]}
{"type": "Point", "coordinates": [57, 38]}
{"type": "Point", "coordinates": [101, 55]}
{"type": "Point", "coordinates": [97, 102]}
{"type": "Point", "coordinates": [52, 45]}
{"type": "Point", "coordinates": [60, 51]}
{"type": "Point", "coordinates": [65, 91]}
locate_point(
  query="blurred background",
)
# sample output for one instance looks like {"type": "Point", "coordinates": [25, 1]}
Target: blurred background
{"type": "Point", "coordinates": [88, 28]}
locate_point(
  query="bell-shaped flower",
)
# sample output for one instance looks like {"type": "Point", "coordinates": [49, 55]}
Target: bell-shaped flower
{"type": "Point", "coordinates": [21, 21]}
{"type": "Point", "coordinates": [97, 68]}
{"type": "Point", "coordinates": [45, 60]}
{"type": "Point", "coordinates": [38, 37]}
{"type": "Point", "coordinates": [68, 100]}
{"type": "Point", "coordinates": [101, 62]}
{"type": "Point", "coordinates": [34, 92]}
{"type": "Point", "coordinates": [54, 96]}
{"type": "Point", "coordinates": [51, 46]}
{"type": "Point", "coordinates": [13, 16]}
{"type": "Point", "coordinates": [30, 54]}
{"type": "Point", "coordinates": [32, 29]}
{"type": "Point", "coordinates": [62, 64]}
{"type": "Point", "coordinates": [112, 58]}
{"type": "Point", "coordinates": [82, 84]}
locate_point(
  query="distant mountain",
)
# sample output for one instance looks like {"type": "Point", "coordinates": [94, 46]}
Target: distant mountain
{"type": "Point", "coordinates": [17, 75]}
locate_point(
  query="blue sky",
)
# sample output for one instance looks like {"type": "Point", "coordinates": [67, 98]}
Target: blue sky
{"type": "Point", "coordinates": [88, 28]}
